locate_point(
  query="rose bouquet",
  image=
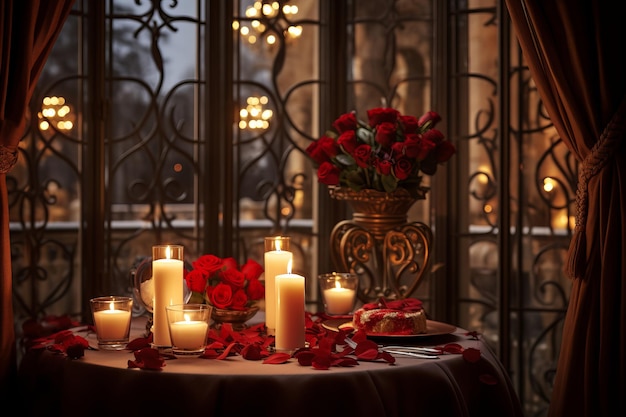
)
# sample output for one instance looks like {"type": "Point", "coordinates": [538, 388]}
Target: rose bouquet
{"type": "Point", "coordinates": [390, 151]}
{"type": "Point", "coordinates": [221, 283]}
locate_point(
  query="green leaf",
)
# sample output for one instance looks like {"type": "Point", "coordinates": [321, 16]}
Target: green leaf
{"type": "Point", "coordinates": [390, 183]}
{"type": "Point", "coordinates": [345, 159]}
{"type": "Point", "coordinates": [365, 135]}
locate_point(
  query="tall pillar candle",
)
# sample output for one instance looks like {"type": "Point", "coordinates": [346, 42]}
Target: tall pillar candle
{"type": "Point", "coordinates": [167, 273]}
{"type": "Point", "coordinates": [277, 257]}
{"type": "Point", "coordinates": [290, 326]}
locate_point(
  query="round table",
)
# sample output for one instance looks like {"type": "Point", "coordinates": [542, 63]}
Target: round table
{"type": "Point", "coordinates": [101, 384]}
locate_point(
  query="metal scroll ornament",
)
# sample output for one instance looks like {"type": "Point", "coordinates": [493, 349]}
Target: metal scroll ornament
{"type": "Point", "coordinates": [389, 254]}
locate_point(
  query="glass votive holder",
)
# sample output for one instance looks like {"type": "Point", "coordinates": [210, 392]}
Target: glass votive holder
{"type": "Point", "coordinates": [189, 327]}
{"type": "Point", "coordinates": [111, 317]}
{"type": "Point", "coordinates": [339, 291]}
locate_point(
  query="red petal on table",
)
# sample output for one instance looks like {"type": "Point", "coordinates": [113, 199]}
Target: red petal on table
{"type": "Point", "coordinates": [251, 352]}
{"type": "Point", "coordinates": [321, 362]}
{"type": "Point", "coordinates": [387, 357]}
{"type": "Point", "coordinates": [345, 362]}
{"type": "Point", "coordinates": [305, 357]}
{"type": "Point", "coordinates": [366, 350]}
{"type": "Point", "coordinates": [139, 343]}
{"type": "Point", "coordinates": [488, 379]}
{"type": "Point", "coordinates": [452, 348]}
{"type": "Point", "coordinates": [277, 358]}
{"type": "Point", "coordinates": [367, 354]}
{"type": "Point", "coordinates": [359, 336]}
{"type": "Point", "coordinates": [210, 354]}
{"type": "Point", "coordinates": [471, 355]}
{"type": "Point", "coordinates": [473, 334]}
{"type": "Point", "coordinates": [226, 351]}
{"type": "Point", "coordinates": [215, 345]}
{"type": "Point", "coordinates": [147, 358]}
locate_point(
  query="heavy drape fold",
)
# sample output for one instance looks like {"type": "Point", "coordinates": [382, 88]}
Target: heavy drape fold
{"type": "Point", "coordinates": [28, 30]}
{"type": "Point", "coordinates": [575, 53]}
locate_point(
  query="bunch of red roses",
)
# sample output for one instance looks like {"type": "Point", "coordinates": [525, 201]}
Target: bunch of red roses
{"type": "Point", "coordinates": [220, 282]}
{"type": "Point", "coordinates": [387, 152]}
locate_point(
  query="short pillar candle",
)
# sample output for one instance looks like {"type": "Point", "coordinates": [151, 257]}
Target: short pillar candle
{"type": "Point", "coordinates": [290, 325]}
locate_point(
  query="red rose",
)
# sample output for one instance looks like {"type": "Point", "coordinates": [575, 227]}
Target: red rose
{"type": "Point", "coordinates": [328, 174]}
{"type": "Point", "coordinates": [229, 262]}
{"type": "Point", "coordinates": [429, 120]}
{"type": "Point", "coordinates": [252, 270]}
{"type": "Point", "coordinates": [402, 168]}
{"type": "Point", "coordinates": [208, 263]}
{"type": "Point", "coordinates": [386, 134]}
{"type": "Point", "coordinates": [347, 140]}
{"type": "Point", "coordinates": [255, 289]}
{"type": "Point", "coordinates": [233, 277]}
{"type": "Point", "coordinates": [381, 115]}
{"type": "Point", "coordinates": [362, 155]}
{"type": "Point", "coordinates": [444, 151]}
{"type": "Point", "coordinates": [345, 122]}
{"type": "Point", "coordinates": [221, 296]}
{"type": "Point", "coordinates": [423, 148]}
{"type": "Point", "coordinates": [196, 280]}
{"type": "Point", "coordinates": [383, 166]}
{"type": "Point", "coordinates": [240, 299]}
{"type": "Point", "coordinates": [323, 149]}
{"type": "Point", "coordinates": [433, 135]}
{"type": "Point", "coordinates": [409, 124]}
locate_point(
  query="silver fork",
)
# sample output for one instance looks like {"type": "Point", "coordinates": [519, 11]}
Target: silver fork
{"type": "Point", "coordinates": [415, 352]}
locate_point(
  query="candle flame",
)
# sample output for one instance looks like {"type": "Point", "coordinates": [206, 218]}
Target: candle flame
{"type": "Point", "coordinates": [111, 306]}
{"type": "Point", "coordinates": [186, 316]}
{"type": "Point", "coordinates": [337, 284]}
{"type": "Point", "coordinates": [289, 267]}
{"type": "Point", "coordinates": [277, 243]}
{"type": "Point", "coordinates": [168, 252]}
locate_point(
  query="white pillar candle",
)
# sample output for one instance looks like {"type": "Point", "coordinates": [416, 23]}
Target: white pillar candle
{"type": "Point", "coordinates": [189, 334]}
{"type": "Point", "coordinates": [168, 289]}
{"type": "Point", "coordinates": [290, 326]}
{"type": "Point", "coordinates": [339, 300]}
{"type": "Point", "coordinates": [276, 263]}
{"type": "Point", "coordinates": [112, 324]}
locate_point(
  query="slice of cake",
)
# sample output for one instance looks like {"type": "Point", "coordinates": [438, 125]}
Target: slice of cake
{"type": "Point", "coordinates": [397, 317]}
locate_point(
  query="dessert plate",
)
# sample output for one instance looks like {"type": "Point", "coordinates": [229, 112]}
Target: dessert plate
{"type": "Point", "coordinates": [433, 328]}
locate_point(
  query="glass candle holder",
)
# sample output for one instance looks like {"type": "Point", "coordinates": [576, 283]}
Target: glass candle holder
{"type": "Point", "coordinates": [277, 258]}
{"type": "Point", "coordinates": [111, 317]}
{"type": "Point", "coordinates": [338, 292]}
{"type": "Point", "coordinates": [188, 328]}
{"type": "Point", "coordinates": [168, 279]}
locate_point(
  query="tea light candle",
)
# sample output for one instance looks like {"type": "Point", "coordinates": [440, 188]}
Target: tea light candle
{"type": "Point", "coordinates": [290, 326]}
{"type": "Point", "coordinates": [189, 334]}
{"type": "Point", "coordinates": [112, 324]}
{"type": "Point", "coordinates": [276, 262]}
{"type": "Point", "coordinates": [167, 274]}
{"type": "Point", "coordinates": [339, 300]}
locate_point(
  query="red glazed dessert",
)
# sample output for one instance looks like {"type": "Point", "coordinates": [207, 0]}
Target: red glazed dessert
{"type": "Point", "coordinates": [398, 317]}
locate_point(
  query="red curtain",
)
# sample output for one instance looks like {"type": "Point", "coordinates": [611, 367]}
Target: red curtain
{"type": "Point", "coordinates": [28, 30]}
{"type": "Point", "coordinates": [575, 52]}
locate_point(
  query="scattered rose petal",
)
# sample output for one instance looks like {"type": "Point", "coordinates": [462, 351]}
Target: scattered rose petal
{"type": "Point", "coordinates": [473, 334]}
{"type": "Point", "coordinates": [452, 348]}
{"type": "Point", "coordinates": [321, 362]}
{"type": "Point", "coordinates": [252, 352]}
{"type": "Point", "coordinates": [471, 355]}
{"type": "Point", "coordinates": [139, 343]}
{"type": "Point", "coordinates": [277, 358]}
{"type": "Point", "coordinates": [345, 362]}
{"type": "Point", "coordinates": [147, 358]}
{"type": "Point", "coordinates": [488, 379]}
{"type": "Point", "coordinates": [305, 357]}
